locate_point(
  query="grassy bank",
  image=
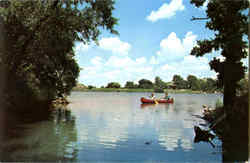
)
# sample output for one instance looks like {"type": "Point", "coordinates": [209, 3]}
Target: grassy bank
{"type": "Point", "coordinates": [112, 90]}
{"type": "Point", "coordinates": [135, 90]}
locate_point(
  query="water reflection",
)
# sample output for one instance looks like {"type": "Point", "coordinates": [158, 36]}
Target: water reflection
{"type": "Point", "coordinates": [170, 138]}
{"type": "Point", "coordinates": [159, 105]}
{"type": "Point", "coordinates": [118, 127]}
{"type": "Point", "coordinates": [115, 127]}
{"type": "Point", "coordinates": [52, 140]}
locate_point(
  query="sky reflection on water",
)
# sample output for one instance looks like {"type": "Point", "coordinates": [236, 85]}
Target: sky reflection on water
{"type": "Point", "coordinates": [115, 127]}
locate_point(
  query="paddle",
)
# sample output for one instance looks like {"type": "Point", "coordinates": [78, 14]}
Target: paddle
{"type": "Point", "coordinates": [155, 102]}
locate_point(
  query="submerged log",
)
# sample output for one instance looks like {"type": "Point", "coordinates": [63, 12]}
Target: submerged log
{"type": "Point", "coordinates": [203, 135]}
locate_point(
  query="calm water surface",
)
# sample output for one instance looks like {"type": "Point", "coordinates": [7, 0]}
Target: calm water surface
{"type": "Point", "coordinates": [116, 127]}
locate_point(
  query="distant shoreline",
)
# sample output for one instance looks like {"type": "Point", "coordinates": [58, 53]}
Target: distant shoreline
{"type": "Point", "coordinates": [139, 90]}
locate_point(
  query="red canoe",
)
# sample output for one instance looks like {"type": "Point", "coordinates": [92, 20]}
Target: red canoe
{"type": "Point", "coordinates": [151, 101]}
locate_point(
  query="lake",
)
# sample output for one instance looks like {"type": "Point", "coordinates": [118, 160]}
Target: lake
{"type": "Point", "coordinates": [116, 127]}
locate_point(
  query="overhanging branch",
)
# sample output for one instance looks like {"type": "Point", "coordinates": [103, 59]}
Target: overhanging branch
{"type": "Point", "coordinates": [30, 37]}
{"type": "Point", "coordinates": [194, 18]}
{"type": "Point", "coordinates": [38, 25]}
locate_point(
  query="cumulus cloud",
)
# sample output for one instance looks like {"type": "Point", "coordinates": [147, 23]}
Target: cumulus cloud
{"type": "Point", "coordinates": [204, 6]}
{"type": "Point", "coordinates": [115, 45]}
{"type": "Point", "coordinates": [124, 62]}
{"type": "Point", "coordinates": [97, 61]}
{"type": "Point", "coordinates": [166, 11]}
{"type": "Point", "coordinates": [171, 58]}
{"type": "Point", "coordinates": [194, 64]}
{"type": "Point", "coordinates": [153, 60]}
{"type": "Point", "coordinates": [119, 62]}
{"type": "Point", "coordinates": [112, 75]}
{"type": "Point", "coordinates": [81, 47]}
{"type": "Point", "coordinates": [141, 60]}
{"type": "Point", "coordinates": [173, 48]}
{"type": "Point", "coordinates": [189, 65]}
{"type": "Point", "coordinates": [167, 67]}
{"type": "Point", "coordinates": [116, 68]}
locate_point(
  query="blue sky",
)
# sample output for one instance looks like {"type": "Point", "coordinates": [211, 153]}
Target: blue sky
{"type": "Point", "coordinates": [155, 39]}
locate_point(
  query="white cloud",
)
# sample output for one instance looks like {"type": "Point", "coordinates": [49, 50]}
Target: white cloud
{"type": "Point", "coordinates": [172, 48]}
{"type": "Point", "coordinates": [222, 58]}
{"type": "Point", "coordinates": [119, 62]}
{"type": "Point", "coordinates": [204, 6]}
{"type": "Point", "coordinates": [115, 45]}
{"type": "Point", "coordinates": [188, 65]}
{"type": "Point", "coordinates": [153, 61]}
{"type": "Point", "coordinates": [141, 60]}
{"type": "Point", "coordinates": [111, 75]}
{"type": "Point", "coordinates": [122, 69]}
{"type": "Point", "coordinates": [189, 41]}
{"type": "Point", "coordinates": [245, 62]}
{"type": "Point", "coordinates": [172, 58]}
{"type": "Point", "coordinates": [124, 62]}
{"type": "Point", "coordinates": [88, 71]}
{"type": "Point", "coordinates": [116, 68]}
{"type": "Point", "coordinates": [194, 64]}
{"type": "Point", "coordinates": [166, 11]}
{"type": "Point", "coordinates": [81, 47]}
{"type": "Point", "coordinates": [141, 70]}
{"type": "Point", "coordinates": [97, 61]}
{"type": "Point", "coordinates": [167, 67]}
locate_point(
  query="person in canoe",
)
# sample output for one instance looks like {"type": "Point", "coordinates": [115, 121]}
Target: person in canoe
{"type": "Point", "coordinates": [152, 96]}
{"type": "Point", "coordinates": [167, 97]}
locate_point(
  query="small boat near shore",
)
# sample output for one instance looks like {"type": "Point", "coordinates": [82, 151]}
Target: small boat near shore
{"type": "Point", "coordinates": [153, 101]}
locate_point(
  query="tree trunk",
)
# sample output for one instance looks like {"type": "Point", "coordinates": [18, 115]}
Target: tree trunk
{"type": "Point", "coordinates": [229, 94]}
{"type": "Point", "coordinates": [248, 79]}
{"type": "Point", "coordinates": [229, 91]}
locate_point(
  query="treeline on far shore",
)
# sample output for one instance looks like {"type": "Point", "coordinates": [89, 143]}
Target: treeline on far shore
{"type": "Point", "coordinates": [178, 85]}
{"type": "Point", "coordinates": [138, 90]}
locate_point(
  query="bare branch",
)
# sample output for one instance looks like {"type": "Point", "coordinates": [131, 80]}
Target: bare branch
{"type": "Point", "coordinates": [194, 18]}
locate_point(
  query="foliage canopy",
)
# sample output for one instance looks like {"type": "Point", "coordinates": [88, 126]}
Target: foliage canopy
{"type": "Point", "coordinates": [38, 39]}
{"type": "Point", "coordinates": [229, 21]}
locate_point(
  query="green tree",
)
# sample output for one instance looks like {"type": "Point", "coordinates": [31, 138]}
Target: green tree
{"type": "Point", "coordinates": [91, 87]}
{"type": "Point", "coordinates": [180, 82]}
{"type": "Point", "coordinates": [159, 83]}
{"type": "Point", "coordinates": [208, 84]}
{"type": "Point", "coordinates": [211, 84]}
{"type": "Point", "coordinates": [203, 84]}
{"type": "Point", "coordinates": [193, 82]}
{"type": "Point", "coordinates": [38, 41]}
{"type": "Point", "coordinates": [113, 85]}
{"type": "Point", "coordinates": [230, 22]}
{"type": "Point", "coordinates": [130, 84]}
{"type": "Point", "coordinates": [145, 84]}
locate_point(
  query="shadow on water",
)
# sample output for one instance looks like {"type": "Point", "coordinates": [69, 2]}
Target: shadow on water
{"type": "Point", "coordinates": [50, 137]}
{"type": "Point", "coordinates": [234, 149]}
{"type": "Point", "coordinates": [159, 105]}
